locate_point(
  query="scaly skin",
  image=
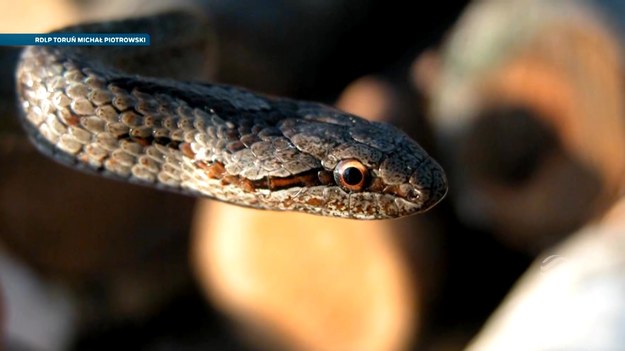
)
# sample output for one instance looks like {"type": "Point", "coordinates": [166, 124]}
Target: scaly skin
{"type": "Point", "coordinates": [217, 141]}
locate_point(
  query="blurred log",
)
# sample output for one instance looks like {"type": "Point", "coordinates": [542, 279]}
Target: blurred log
{"type": "Point", "coordinates": [299, 282]}
{"type": "Point", "coordinates": [32, 16]}
{"type": "Point", "coordinates": [571, 298]}
{"type": "Point", "coordinates": [526, 99]}
{"type": "Point", "coordinates": [527, 105]}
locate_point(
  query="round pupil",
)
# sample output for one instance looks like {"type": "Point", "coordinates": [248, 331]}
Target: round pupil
{"type": "Point", "coordinates": [352, 176]}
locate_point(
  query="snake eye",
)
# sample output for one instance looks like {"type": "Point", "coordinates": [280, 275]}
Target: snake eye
{"type": "Point", "coordinates": [350, 175]}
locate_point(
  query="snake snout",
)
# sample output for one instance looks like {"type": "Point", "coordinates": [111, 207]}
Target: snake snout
{"type": "Point", "coordinates": [430, 181]}
{"type": "Point", "coordinates": [412, 184]}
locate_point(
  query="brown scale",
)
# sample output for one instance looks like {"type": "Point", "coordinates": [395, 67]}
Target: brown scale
{"type": "Point", "coordinates": [358, 208]}
{"type": "Point", "coordinates": [242, 183]}
{"type": "Point", "coordinates": [139, 140]}
{"type": "Point", "coordinates": [216, 170]}
{"type": "Point", "coordinates": [72, 119]}
{"type": "Point", "coordinates": [377, 186]}
{"type": "Point", "coordinates": [313, 201]}
{"type": "Point", "coordinates": [147, 140]}
{"type": "Point", "coordinates": [235, 146]}
{"type": "Point", "coordinates": [308, 179]}
{"type": "Point", "coordinates": [325, 177]}
{"type": "Point", "coordinates": [185, 148]}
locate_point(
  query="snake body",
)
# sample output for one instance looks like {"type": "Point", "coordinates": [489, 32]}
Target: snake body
{"type": "Point", "coordinates": [218, 141]}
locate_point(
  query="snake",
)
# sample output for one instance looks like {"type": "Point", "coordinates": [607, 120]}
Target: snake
{"type": "Point", "coordinates": [86, 108]}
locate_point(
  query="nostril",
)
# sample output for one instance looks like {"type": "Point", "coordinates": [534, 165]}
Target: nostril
{"type": "Point", "coordinates": [413, 195]}
{"type": "Point", "coordinates": [409, 193]}
{"type": "Point", "coordinates": [507, 144]}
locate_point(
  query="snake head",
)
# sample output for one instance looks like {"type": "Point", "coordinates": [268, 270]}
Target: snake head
{"type": "Point", "coordinates": [401, 182]}
{"type": "Point", "coordinates": [370, 170]}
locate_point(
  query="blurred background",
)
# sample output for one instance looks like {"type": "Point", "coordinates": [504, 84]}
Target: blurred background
{"type": "Point", "coordinates": [520, 100]}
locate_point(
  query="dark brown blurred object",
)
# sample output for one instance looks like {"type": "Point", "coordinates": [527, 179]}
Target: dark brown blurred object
{"type": "Point", "coordinates": [122, 248]}
{"type": "Point", "coordinates": [125, 241]}
{"type": "Point", "coordinates": [312, 49]}
{"type": "Point", "coordinates": [530, 118]}
{"type": "Point", "coordinates": [3, 337]}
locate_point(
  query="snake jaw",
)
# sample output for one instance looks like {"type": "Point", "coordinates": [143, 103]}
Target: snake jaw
{"type": "Point", "coordinates": [419, 191]}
